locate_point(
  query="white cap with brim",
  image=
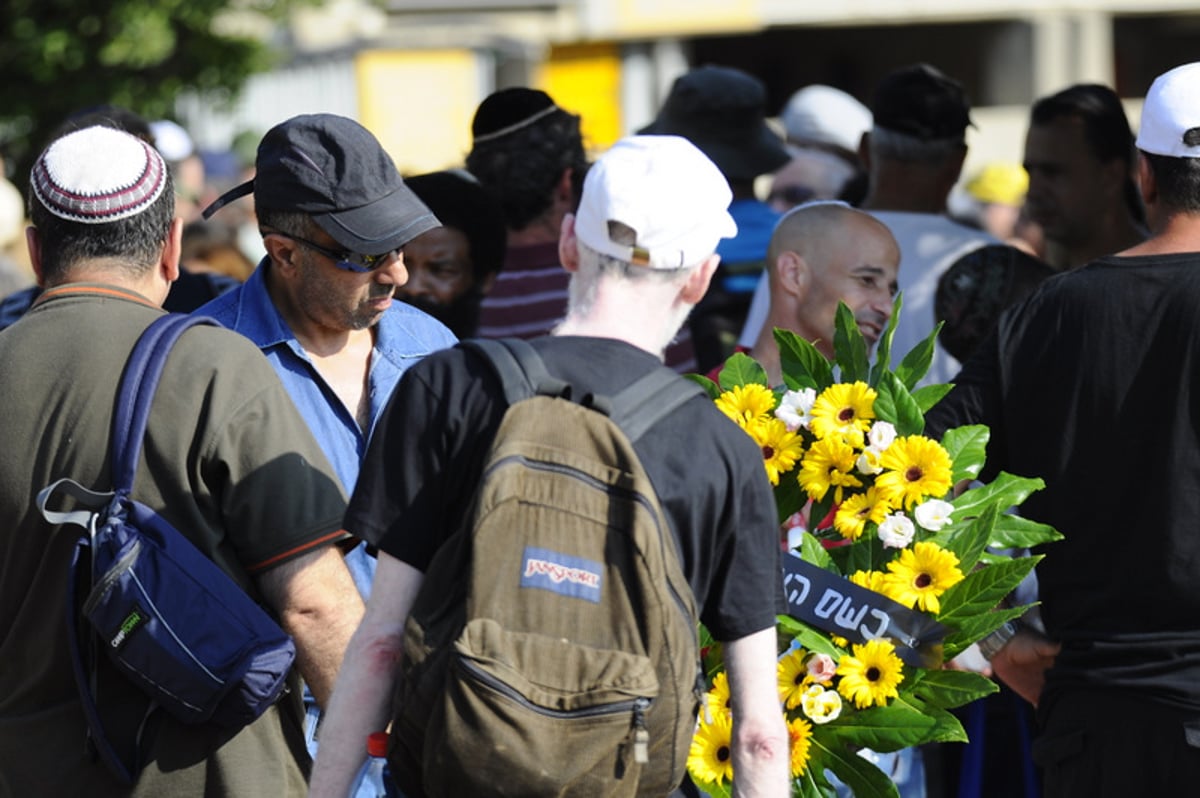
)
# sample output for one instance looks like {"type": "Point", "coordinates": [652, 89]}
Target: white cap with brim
{"type": "Point", "coordinates": [667, 191]}
{"type": "Point", "coordinates": [1170, 123]}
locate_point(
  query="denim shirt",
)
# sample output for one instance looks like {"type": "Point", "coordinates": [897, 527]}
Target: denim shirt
{"type": "Point", "coordinates": [403, 336]}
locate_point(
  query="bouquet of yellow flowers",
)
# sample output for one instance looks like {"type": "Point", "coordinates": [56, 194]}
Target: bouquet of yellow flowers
{"type": "Point", "coordinates": [894, 573]}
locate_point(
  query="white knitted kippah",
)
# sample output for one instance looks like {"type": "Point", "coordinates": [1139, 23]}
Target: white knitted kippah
{"type": "Point", "coordinates": [98, 175]}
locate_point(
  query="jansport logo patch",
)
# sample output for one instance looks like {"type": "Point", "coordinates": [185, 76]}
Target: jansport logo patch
{"type": "Point", "coordinates": [561, 573]}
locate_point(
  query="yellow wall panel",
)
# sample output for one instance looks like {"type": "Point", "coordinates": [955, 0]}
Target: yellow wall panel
{"type": "Point", "coordinates": [586, 80]}
{"type": "Point", "coordinates": [682, 17]}
{"type": "Point", "coordinates": [419, 104]}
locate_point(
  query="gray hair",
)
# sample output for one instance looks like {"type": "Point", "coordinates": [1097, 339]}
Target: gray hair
{"type": "Point", "coordinates": [896, 146]}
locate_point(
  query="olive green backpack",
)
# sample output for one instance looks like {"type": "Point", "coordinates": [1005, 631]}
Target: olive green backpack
{"type": "Point", "coordinates": [552, 650]}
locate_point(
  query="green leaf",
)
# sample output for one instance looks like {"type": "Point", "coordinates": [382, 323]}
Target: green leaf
{"type": "Point", "coordinates": [864, 554]}
{"type": "Point", "coordinates": [807, 637]}
{"type": "Point", "coordinates": [929, 395]}
{"type": "Point", "coordinates": [741, 369]}
{"type": "Point", "coordinates": [967, 447]}
{"type": "Point", "coordinates": [811, 551]}
{"type": "Point", "coordinates": [968, 542]}
{"type": "Point", "coordinates": [849, 346]}
{"type": "Point", "coordinates": [896, 405]}
{"type": "Point", "coordinates": [789, 496]}
{"type": "Point", "coordinates": [803, 364]}
{"type": "Point", "coordinates": [863, 778]}
{"type": "Point", "coordinates": [812, 783]}
{"type": "Point", "coordinates": [946, 689]}
{"type": "Point", "coordinates": [704, 382]}
{"type": "Point", "coordinates": [978, 627]}
{"type": "Point", "coordinates": [1013, 531]}
{"type": "Point", "coordinates": [914, 365]}
{"type": "Point", "coordinates": [1005, 491]}
{"type": "Point", "coordinates": [882, 729]}
{"type": "Point", "coordinates": [714, 790]}
{"type": "Point", "coordinates": [883, 350]}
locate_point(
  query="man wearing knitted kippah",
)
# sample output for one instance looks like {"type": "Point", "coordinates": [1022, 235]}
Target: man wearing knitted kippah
{"type": "Point", "coordinates": [1092, 377]}
{"type": "Point", "coordinates": [228, 461]}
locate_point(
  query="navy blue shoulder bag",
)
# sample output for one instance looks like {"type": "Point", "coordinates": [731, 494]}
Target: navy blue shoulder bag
{"type": "Point", "coordinates": [170, 619]}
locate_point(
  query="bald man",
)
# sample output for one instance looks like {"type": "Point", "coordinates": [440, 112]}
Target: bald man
{"type": "Point", "coordinates": [821, 254]}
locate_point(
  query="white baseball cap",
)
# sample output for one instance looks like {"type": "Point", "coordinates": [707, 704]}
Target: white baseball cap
{"type": "Point", "coordinates": [667, 191]}
{"type": "Point", "coordinates": [825, 115]}
{"type": "Point", "coordinates": [1171, 113]}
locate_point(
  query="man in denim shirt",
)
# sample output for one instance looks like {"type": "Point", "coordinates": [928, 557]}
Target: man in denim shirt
{"type": "Point", "coordinates": [334, 215]}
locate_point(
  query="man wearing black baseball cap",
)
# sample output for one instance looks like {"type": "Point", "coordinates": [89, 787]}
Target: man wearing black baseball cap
{"type": "Point", "coordinates": [334, 215]}
{"type": "Point", "coordinates": [914, 155]}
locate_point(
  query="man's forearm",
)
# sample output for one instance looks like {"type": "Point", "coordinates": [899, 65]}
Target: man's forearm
{"type": "Point", "coordinates": [319, 606]}
{"type": "Point", "coordinates": [362, 699]}
{"type": "Point", "coordinates": [761, 751]}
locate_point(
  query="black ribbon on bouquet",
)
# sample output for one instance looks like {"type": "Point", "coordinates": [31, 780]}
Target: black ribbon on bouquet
{"type": "Point", "coordinates": [838, 606]}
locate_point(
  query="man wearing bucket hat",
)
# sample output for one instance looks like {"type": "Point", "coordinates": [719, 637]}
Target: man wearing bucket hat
{"type": "Point", "coordinates": [640, 255]}
{"type": "Point", "coordinates": [334, 216]}
{"type": "Point", "coordinates": [1120, 706]}
{"type": "Point", "coordinates": [723, 112]}
{"type": "Point", "coordinates": [228, 462]}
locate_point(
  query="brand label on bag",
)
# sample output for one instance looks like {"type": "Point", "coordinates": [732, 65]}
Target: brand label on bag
{"type": "Point", "coordinates": [136, 618]}
{"type": "Point", "coordinates": [561, 573]}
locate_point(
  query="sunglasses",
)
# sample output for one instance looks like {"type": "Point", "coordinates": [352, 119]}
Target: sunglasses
{"type": "Point", "coordinates": [345, 259]}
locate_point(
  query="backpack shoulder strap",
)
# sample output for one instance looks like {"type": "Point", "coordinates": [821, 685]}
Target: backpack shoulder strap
{"type": "Point", "coordinates": [649, 399]}
{"type": "Point", "coordinates": [139, 381]}
{"type": "Point", "coordinates": [519, 367]}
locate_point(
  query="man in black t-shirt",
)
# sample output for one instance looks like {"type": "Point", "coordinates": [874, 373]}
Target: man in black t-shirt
{"type": "Point", "coordinates": [1093, 384]}
{"type": "Point", "coordinates": [640, 254]}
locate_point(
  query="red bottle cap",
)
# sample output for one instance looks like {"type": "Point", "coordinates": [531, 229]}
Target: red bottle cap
{"type": "Point", "coordinates": [377, 744]}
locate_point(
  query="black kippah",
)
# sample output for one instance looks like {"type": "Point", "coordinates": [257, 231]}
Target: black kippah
{"type": "Point", "coordinates": [508, 110]}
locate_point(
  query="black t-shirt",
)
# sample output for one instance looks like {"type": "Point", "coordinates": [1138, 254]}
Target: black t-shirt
{"type": "Point", "coordinates": [426, 453]}
{"type": "Point", "coordinates": [1093, 384]}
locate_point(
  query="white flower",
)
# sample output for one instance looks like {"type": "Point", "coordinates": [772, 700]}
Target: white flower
{"type": "Point", "coordinates": [881, 435]}
{"type": "Point", "coordinates": [896, 531]}
{"type": "Point", "coordinates": [868, 461]}
{"type": "Point", "coordinates": [795, 408]}
{"type": "Point", "coordinates": [821, 667]}
{"type": "Point", "coordinates": [821, 705]}
{"type": "Point", "coordinates": [933, 514]}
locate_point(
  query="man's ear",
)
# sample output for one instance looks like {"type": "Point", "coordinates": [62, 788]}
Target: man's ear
{"type": "Point", "coordinates": [485, 283]}
{"type": "Point", "coordinates": [1147, 184]}
{"type": "Point", "coordinates": [171, 251]}
{"type": "Point", "coordinates": [696, 284]}
{"type": "Point", "coordinates": [282, 251]}
{"type": "Point", "coordinates": [793, 275]}
{"type": "Point", "coordinates": [34, 244]}
{"type": "Point", "coordinates": [568, 245]}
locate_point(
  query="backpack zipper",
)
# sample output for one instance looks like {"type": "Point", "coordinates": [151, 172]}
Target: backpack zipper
{"type": "Point", "coordinates": [635, 706]}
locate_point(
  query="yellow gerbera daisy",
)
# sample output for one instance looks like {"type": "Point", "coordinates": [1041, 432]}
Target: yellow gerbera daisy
{"type": "Point", "coordinates": [871, 580]}
{"type": "Point", "coordinates": [710, 759]}
{"type": "Point", "coordinates": [921, 574]}
{"type": "Point", "coordinates": [745, 402]}
{"type": "Point", "coordinates": [717, 699]}
{"type": "Point", "coordinates": [800, 736]}
{"type": "Point", "coordinates": [780, 447]}
{"type": "Point", "coordinates": [870, 674]}
{"type": "Point", "coordinates": [913, 467]}
{"type": "Point", "coordinates": [791, 674]}
{"type": "Point", "coordinates": [854, 513]}
{"type": "Point", "coordinates": [845, 411]}
{"type": "Point", "coordinates": [829, 462]}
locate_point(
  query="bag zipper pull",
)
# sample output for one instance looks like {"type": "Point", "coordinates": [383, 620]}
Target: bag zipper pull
{"type": "Point", "coordinates": [641, 737]}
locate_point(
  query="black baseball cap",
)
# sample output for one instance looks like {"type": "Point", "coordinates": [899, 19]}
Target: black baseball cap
{"type": "Point", "coordinates": [922, 102]}
{"type": "Point", "coordinates": [335, 170]}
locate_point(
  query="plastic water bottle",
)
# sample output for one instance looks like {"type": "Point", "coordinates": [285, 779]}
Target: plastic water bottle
{"type": "Point", "coordinates": [369, 783]}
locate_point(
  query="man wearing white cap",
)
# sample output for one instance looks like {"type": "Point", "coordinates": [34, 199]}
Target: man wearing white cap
{"type": "Point", "coordinates": [1120, 706]}
{"type": "Point", "coordinates": [228, 461]}
{"type": "Point", "coordinates": [640, 253]}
